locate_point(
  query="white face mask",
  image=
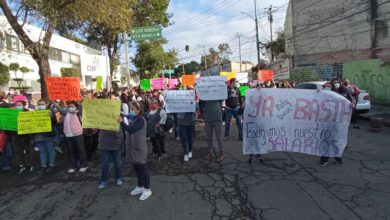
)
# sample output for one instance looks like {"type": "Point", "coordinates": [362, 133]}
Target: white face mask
{"type": "Point", "coordinates": [236, 84]}
{"type": "Point", "coordinates": [41, 107]}
{"type": "Point", "coordinates": [337, 85]}
{"type": "Point", "coordinates": [72, 109]}
{"type": "Point", "coordinates": [327, 88]}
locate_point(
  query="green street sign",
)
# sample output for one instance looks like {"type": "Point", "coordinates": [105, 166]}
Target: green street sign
{"type": "Point", "coordinates": [169, 72]}
{"type": "Point", "coordinates": [146, 33]}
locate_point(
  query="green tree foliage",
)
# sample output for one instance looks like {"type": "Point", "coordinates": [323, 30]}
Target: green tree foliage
{"type": "Point", "coordinates": [70, 72]}
{"type": "Point", "coordinates": [4, 74]}
{"type": "Point", "coordinates": [217, 57]}
{"type": "Point", "coordinates": [190, 67]}
{"type": "Point", "coordinates": [276, 47]}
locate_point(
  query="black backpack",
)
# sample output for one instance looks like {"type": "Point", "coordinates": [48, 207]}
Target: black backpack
{"type": "Point", "coordinates": [169, 123]}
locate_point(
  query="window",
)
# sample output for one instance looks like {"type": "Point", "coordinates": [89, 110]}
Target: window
{"type": "Point", "coordinates": [65, 57]}
{"type": "Point", "coordinates": [12, 43]}
{"type": "Point", "coordinates": [74, 59]}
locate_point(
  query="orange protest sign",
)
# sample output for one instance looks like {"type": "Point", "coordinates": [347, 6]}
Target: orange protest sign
{"type": "Point", "coordinates": [63, 88]}
{"type": "Point", "coordinates": [265, 75]}
{"type": "Point", "coordinates": [229, 75]}
{"type": "Point", "coordinates": [188, 80]}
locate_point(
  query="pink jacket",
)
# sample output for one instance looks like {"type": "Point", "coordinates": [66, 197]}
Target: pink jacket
{"type": "Point", "coordinates": [73, 121]}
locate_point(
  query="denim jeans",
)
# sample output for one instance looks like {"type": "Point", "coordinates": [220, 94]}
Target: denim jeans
{"type": "Point", "coordinates": [47, 153]}
{"type": "Point", "coordinates": [229, 113]}
{"type": "Point", "coordinates": [186, 137]}
{"type": "Point", "coordinates": [6, 157]}
{"type": "Point", "coordinates": [142, 175]}
{"type": "Point", "coordinates": [116, 157]}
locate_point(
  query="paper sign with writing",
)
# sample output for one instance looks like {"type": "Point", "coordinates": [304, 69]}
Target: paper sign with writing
{"type": "Point", "coordinates": [33, 122]}
{"type": "Point", "coordinates": [173, 82]}
{"type": "Point", "coordinates": [18, 98]}
{"type": "Point", "coordinates": [211, 88]}
{"type": "Point", "coordinates": [9, 119]}
{"type": "Point", "coordinates": [243, 90]}
{"type": "Point", "coordinates": [99, 83]}
{"type": "Point", "coordinates": [265, 75]}
{"type": "Point", "coordinates": [290, 120]}
{"type": "Point", "coordinates": [242, 77]}
{"type": "Point", "coordinates": [158, 83]}
{"type": "Point", "coordinates": [229, 75]}
{"type": "Point", "coordinates": [63, 88]}
{"type": "Point", "coordinates": [177, 101]}
{"type": "Point", "coordinates": [145, 84]}
{"type": "Point", "coordinates": [188, 80]}
{"type": "Point", "coordinates": [101, 114]}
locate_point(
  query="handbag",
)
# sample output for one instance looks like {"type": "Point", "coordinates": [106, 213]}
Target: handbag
{"type": "Point", "coordinates": [3, 141]}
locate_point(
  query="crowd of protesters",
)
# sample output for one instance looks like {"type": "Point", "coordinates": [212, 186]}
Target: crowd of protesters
{"type": "Point", "coordinates": [142, 118]}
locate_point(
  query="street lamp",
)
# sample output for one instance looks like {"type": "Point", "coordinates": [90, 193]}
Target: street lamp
{"type": "Point", "coordinates": [257, 33]}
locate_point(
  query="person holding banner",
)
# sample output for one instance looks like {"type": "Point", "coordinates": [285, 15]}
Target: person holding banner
{"type": "Point", "coordinates": [156, 119]}
{"type": "Point", "coordinates": [135, 126]}
{"type": "Point", "coordinates": [45, 142]}
{"type": "Point", "coordinates": [233, 104]}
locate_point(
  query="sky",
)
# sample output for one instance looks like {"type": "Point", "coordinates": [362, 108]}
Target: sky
{"type": "Point", "coordinates": [202, 24]}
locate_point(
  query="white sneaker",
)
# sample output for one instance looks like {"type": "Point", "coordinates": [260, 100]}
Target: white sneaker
{"type": "Point", "coordinates": [186, 158]}
{"type": "Point", "coordinates": [189, 155]}
{"type": "Point", "coordinates": [145, 194]}
{"type": "Point", "coordinates": [137, 190]}
{"type": "Point", "coordinates": [83, 169]}
{"type": "Point", "coordinates": [170, 131]}
{"type": "Point", "coordinates": [71, 170]}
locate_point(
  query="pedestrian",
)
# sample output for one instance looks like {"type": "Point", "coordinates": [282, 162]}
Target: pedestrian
{"type": "Point", "coordinates": [212, 115]}
{"type": "Point", "coordinates": [110, 146]}
{"type": "Point", "coordinates": [137, 149]}
{"type": "Point", "coordinates": [45, 141]}
{"type": "Point", "coordinates": [156, 121]}
{"type": "Point", "coordinates": [233, 104]}
{"type": "Point", "coordinates": [186, 122]}
{"type": "Point", "coordinates": [338, 88]}
{"type": "Point", "coordinates": [354, 91]}
{"type": "Point", "coordinates": [74, 138]}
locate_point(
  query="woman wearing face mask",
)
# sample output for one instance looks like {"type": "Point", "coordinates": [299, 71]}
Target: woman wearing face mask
{"type": "Point", "coordinates": [336, 87]}
{"type": "Point", "coordinates": [135, 126]}
{"type": "Point", "coordinates": [45, 142]}
{"type": "Point", "coordinates": [156, 119]}
{"type": "Point", "coordinates": [23, 151]}
{"type": "Point", "coordinates": [74, 137]}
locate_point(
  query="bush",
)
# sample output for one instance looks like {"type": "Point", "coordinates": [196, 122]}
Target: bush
{"type": "Point", "coordinates": [70, 72]}
{"type": "Point", "coordinates": [4, 74]}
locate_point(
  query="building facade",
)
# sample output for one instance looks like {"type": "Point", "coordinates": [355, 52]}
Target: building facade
{"type": "Point", "coordinates": [62, 53]}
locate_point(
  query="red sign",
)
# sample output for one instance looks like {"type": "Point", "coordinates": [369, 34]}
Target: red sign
{"type": "Point", "coordinates": [265, 75]}
{"type": "Point", "coordinates": [63, 88]}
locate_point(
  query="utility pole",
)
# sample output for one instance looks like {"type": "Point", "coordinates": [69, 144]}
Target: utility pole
{"type": "Point", "coordinates": [257, 36]}
{"type": "Point", "coordinates": [126, 43]}
{"type": "Point", "coordinates": [239, 50]}
{"type": "Point", "coordinates": [270, 19]}
{"type": "Point", "coordinates": [182, 65]}
{"type": "Point", "coordinates": [205, 58]}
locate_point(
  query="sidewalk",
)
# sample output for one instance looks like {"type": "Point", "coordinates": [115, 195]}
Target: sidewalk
{"type": "Point", "coordinates": [378, 111]}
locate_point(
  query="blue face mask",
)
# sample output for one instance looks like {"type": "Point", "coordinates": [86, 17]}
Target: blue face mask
{"type": "Point", "coordinates": [133, 113]}
{"type": "Point", "coordinates": [19, 107]}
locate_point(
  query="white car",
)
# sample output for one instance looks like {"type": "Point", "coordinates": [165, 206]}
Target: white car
{"type": "Point", "coordinates": [363, 104]}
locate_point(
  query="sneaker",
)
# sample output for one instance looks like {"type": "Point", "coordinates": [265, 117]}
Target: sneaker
{"type": "Point", "coordinates": [148, 138]}
{"type": "Point", "coordinates": [340, 163]}
{"type": "Point", "coordinates": [30, 168]}
{"type": "Point", "coordinates": [42, 170]}
{"type": "Point", "coordinates": [21, 169]}
{"type": "Point", "coordinates": [164, 155]}
{"type": "Point", "coordinates": [178, 139]}
{"type": "Point", "coordinates": [102, 185]}
{"type": "Point", "coordinates": [50, 169]}
{"type": "Point", "coordinates": [170, 131]}
{"type": "Point", "coordinates": [71, 170]}
{"type": "Point", "coordinates": [36, 149]}
{"type": "Point", "coordinates": [59, 149]}
{"type": "Point", "coordinates": [356, 126]}
{"type": "Point", "coordinates": [83, 169]}
{"type": "Point", "coordinates": [119, 182]}
{"type": "Point", "coordinates": [221, 158]}
{"type": "Point", "coordinates": [209, 155]}
{"type": "Point", "coordinates": [137, 190]}
{"type": "Point", "coordinates": [145, 194]}
{"type": "Point", "coordinates": [324, 163]}
{"type": "Point", "coordinates": [152, 154]}
{"type": "Point", "coordinates": [186, 158]}
{"type": "Point", "coordinates": [226, 138]}
{"type": "Point", "coordinates": [190, 155]}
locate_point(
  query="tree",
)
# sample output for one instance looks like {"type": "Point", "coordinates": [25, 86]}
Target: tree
{"type": "Point", "coordinates": [277, 47]}
{"type": "Point", "coordinates": [4, 74]}
{"type": "Point", "coordinates": [51, 14]}
{"type": "Point", "coordinates": [15, 67]}
{"type": "Point", "coordinates": [217, 57]}
{"type": "Point", "coordinates": [190, 67]}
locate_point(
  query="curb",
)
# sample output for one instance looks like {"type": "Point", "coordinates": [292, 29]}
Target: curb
{"type": "Point", "coordinates": [368, 118]}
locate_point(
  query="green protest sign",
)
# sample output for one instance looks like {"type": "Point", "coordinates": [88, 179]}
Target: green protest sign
{"type": "Point", "coordinates": [145, 84]}
{"type": "Point", "coordinates": [243, 90]}
{"type": "Point", "coordinates": [9, 119]}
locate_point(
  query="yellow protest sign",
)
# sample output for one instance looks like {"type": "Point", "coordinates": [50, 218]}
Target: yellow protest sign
{"type": "Point", "coordinates": [34, 122]}
{"type": "Point", "coordinates": [229, 75]}
{"type": "Point", "coordinates": [101, 114]}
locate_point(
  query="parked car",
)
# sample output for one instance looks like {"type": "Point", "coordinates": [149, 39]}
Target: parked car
{"type": "Point", "coordinates": [363, 105]}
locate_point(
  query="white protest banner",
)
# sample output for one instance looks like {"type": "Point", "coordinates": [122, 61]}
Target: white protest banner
{"type": "Point", "coordinates": [242, 77]}
{"type": "Point", "coordinates": [211, 88]}
{"type": "Point", "coordinates": [304, 121]}
{"type": "Point", "coordinates": [177, 101]}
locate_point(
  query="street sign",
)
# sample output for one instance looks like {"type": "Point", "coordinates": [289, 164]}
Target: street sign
{"type": "Point", "coordinates": [166, 72]}
{"type": "Point", "coordinates": [146, 33]}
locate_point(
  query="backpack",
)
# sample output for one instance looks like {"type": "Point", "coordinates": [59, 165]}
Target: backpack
{"type": "Point", "coordinates": [169, 123]}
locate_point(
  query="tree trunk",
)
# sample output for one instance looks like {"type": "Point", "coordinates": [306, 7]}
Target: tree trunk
{"type": "Point", "coordinates": [44, 70]}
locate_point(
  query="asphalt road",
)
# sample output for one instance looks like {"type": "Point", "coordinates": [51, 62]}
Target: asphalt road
{"type": "Point", "coordinates": [285, 186]}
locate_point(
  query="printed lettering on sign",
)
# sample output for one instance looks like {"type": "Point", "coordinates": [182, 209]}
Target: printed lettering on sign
{"type": "Point", "coordinates": [300, 121]}
{"type": "Point", "coordinates": [101, 114]}
{"type": "Point", "coordinates": [211, 88]}
{"type": "Point", "coordinates": [177, 101]}
{"type": "Point", "coordinates": [63, 88]}
{"type": "Point", "coordinates": [34, 122]}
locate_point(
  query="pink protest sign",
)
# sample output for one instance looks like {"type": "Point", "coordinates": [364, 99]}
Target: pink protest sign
{"type": "Point", "coordinates": [158, 83]}
{"type": "Point", "coordinates": [172, 83]}
{"type": "Point", "coordinates": [19, 98]}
